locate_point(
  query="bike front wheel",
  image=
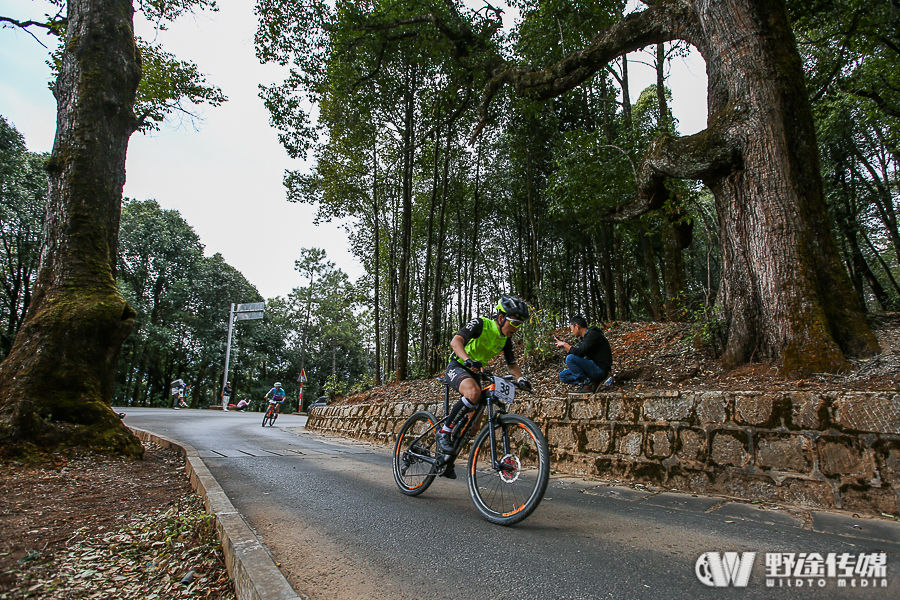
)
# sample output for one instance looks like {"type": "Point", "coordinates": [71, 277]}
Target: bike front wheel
{"type": "Point", "coordinates": [508, 491]}
{"type": "Point", "coordinates": [269, 416]}
{"type": "Point", "coordinates": [414, 453]}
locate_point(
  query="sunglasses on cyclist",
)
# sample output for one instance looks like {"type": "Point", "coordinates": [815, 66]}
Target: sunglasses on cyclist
{"type": "Point", "coordinates": [515, 322]}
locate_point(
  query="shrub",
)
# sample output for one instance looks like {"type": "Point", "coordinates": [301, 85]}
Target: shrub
{"type": "Point", "coordinates": [538, 336]}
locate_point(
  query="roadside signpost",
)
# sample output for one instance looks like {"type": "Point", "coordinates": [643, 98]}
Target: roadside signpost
{"type": "Point", "coordinates": [301, 380]}
{"type": "Point", "coordinates": [240, 312]}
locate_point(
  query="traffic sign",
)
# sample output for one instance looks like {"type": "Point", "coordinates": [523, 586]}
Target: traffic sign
{"type": "Point", "coordinates": [251, 310]}
{"type": "Point", "coordinates": [250, 306]}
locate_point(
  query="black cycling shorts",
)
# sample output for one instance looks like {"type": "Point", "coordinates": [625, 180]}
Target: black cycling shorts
{"type": "Point", "coordinates": [456, 373]}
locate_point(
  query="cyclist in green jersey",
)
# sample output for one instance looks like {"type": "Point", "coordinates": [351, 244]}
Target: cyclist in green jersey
{"type": "Point", "coordinates": [477, 343]}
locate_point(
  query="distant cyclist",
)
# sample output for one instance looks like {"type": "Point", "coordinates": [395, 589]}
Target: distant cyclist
{"type": "Point", "coordinates": [276, 396]}
{"type": "Point", "coordinates": [179, 388]}
{"type": "Point", "coordinates": [476, 344]}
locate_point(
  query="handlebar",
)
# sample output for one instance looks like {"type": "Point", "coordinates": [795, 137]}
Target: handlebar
{"type": "Point", "coordinates": [488, 375]}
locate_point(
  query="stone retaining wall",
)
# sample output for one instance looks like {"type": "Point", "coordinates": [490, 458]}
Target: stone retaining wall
{"type": "Point", "coordinates": [834, 450]}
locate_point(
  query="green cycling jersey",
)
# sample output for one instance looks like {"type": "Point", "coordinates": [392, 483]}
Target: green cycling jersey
{"type": "Point", "coordinates": [484, 341]}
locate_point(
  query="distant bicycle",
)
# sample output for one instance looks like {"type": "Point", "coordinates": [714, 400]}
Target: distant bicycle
{"type": "Point", "coordinates": [509, 462]}
{"type": "Point", "coordinates": [271, 412]}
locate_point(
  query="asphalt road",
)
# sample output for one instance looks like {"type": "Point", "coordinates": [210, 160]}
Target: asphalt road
{"type": "Point", "coordinates": [329, 512]}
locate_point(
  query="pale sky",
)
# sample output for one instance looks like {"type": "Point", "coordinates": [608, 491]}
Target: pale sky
{"type": "Point", "coordinates": [224, 176]}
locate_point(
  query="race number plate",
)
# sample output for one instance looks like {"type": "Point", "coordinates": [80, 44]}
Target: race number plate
{"type": "Point", "coordinates": [504, 390]}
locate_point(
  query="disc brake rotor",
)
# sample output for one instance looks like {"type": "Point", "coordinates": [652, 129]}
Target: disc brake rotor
{"type": "Point", "coordinates": [510, 467]}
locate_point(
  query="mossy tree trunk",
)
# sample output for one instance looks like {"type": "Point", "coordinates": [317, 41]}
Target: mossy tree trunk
{"type": "Point", "coordinates": [56, 385]}
{"type": "Point", "coordinates": [784, 294]}
{"type": "Point", "coordinates": [784, 290]}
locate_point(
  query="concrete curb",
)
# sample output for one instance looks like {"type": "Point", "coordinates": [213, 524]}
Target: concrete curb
{"type": "Point", "coordinates": [255, 575]}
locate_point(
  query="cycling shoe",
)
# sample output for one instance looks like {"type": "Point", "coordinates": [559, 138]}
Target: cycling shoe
{"type": "Point", "coordinates": [443, 442]}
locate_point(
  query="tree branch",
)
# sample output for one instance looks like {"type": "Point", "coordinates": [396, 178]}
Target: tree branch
{"type": "Point", "coordinates": [878, 99]}
{"type": "Point", "coordinates": [457, 31]}
{"type": "Point", "coordinates": [55, 26]}
{"type": "Point", "coordinates": [704, 155]}
{"type": "Point", "coordinates": [664, 21]}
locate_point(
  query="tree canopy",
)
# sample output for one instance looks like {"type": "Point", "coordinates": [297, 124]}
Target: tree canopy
{"type": "Point", "coordinates": [570, 193]}
{"type": "Point", "coordinates": [469, 161]}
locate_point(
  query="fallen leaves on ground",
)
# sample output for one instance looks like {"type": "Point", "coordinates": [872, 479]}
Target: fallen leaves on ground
{"type": "Point", "coordinates": [173, 553]}
{"type": "Point", "coordinates": [88, 526]}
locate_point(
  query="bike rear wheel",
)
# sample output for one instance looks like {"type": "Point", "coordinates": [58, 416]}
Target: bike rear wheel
{"type": "Point", "coordinates": [415, 441]}
{"type": "Point", "coordinates": [510, 492]}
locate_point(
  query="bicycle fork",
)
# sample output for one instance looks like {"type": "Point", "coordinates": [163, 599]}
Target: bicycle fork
{"type": "Point", "coordinates": [494, 426]}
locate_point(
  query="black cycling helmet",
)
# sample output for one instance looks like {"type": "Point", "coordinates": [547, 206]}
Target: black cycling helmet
{"type": "Point", "coordinates": [513, 307]}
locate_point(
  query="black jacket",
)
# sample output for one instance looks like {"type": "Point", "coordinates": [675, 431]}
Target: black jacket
{"type": "Point", "coordinates": [595, 347]}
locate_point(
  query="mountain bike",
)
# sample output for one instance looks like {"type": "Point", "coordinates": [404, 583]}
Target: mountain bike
{"type": "Point", "coordinates": [509, 462]}
{"type": "Point", "coordinates": [271, 413]}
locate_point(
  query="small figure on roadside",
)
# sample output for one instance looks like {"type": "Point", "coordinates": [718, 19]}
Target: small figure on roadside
{"type": "Point", "coordinates": [587, 364]}
{"type": "Point", "coordinates": [226, 395]}
{"type": "Point", "coordinates": [242, 405]}
{"type": "Point", "coordinates": [178, 388]}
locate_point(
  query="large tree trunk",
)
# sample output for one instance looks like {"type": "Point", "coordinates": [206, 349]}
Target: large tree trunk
{"type": "Point", "coordinates": [784, 289]}
{"type": "Point", "coordinates": [784, 294]}
{"type": "Point", "coordinates": [56, 385]}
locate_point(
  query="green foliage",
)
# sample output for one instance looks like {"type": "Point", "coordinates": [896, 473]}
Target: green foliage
{"type": "Point", "coordinates": [168, 86]}
{"type": "Point", "coordinates": [529, 207]}
{"type": "Point", "coordinates": [182, 299]}
{"type": "Point", "coordinates": [538, 336]}
{"type": "Point", "coordinates": [851, 49]}
{"type": "Point", "coordinates": [335, 386]}
{"type": "Point", "coordinates": [590, 176]}
{"type": "Point", "coordinates": [708, 328]}
{"type": "Point", "coordinates": [551, 29]}
{"type": "Point", "coordinates": [23, 197]}
{"type": "Point", "coordinates": [366, 382]}
{"type": "Point", "coordinates": [160, 11]}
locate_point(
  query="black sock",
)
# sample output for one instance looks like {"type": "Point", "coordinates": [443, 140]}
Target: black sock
{"type": "Point", "coordinates": [454, 412]}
